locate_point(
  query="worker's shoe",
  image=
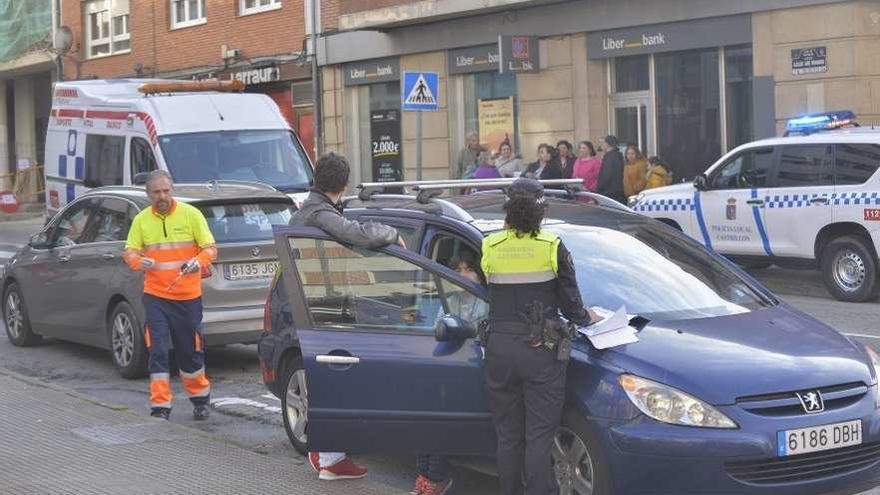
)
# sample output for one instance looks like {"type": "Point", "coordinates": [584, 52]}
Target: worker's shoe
{"type": "Point", "coordinates": [436, 487]}
{"type": "Point", "coordinates": [342, 470]}
{"type": "Point", "coordinates": [315, 461]}
{"type": "Point", "coordinates": [201, 412]}
{"type": "Point", "coordinates": [160, 412]}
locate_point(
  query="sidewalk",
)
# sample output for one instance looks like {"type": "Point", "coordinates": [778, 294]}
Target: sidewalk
{"type": "Point", "coordinates": [55, 441]}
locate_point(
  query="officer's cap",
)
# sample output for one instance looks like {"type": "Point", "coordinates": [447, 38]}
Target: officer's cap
{"type": "Point", "coordinates": [529, 188]}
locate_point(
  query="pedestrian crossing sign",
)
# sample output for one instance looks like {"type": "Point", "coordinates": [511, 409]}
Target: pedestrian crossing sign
{"type": "Point", "coordinates": [420, 90]}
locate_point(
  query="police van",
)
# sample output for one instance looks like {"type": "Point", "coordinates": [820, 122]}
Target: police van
{"type": "Point", "coordinates": [811, 196]}
{"type": "Point", "coordinates": [114, 132]}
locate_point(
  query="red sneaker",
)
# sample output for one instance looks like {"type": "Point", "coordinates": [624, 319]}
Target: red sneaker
{"type": "Point", "coordinates": [342, 470]}
{"type": "Point", "coordinates": [315, 461]}
{"type": "Point", "coordinates": [419, 489]}
{"type": "Point", "coordinates": [434, 488]}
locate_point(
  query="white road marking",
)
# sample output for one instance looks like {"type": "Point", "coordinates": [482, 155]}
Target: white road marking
{"type": "Point", "coordinates": [238, 401]}
{"type": "Point", "coordinates": [270, 396]}
{"type": "Point", "coordinates": [863, 336]}
{"type": "Point", "coordinates": [6, 254]}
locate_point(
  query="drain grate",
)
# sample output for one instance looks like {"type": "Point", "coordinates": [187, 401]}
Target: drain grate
{"type": "Point", "coordinates": [129, 433]}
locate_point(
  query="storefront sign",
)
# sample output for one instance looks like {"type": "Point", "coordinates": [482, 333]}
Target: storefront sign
{"type": "Point", "coordinates": [809, 61]}
{"type": "Point", "coordinates": [373, 71]}
{"type": "Point", "coordinates": [496, 122]}
{"type": "Point", "coordinates": [385, 145]}
{"type": "Point", "coordinates": [518, 54]}
{"type": "Point", "coordinates": [473, 59]}
{"type": "Point", "coordinates": [674, 36]}
{"type": "Point", "coordinates": [257, 76]}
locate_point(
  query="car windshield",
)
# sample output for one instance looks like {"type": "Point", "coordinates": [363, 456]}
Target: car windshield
{"type": "Point", "coordinates": [273, 157]}
{"type": "Point", "coordinates": [243, 222]}
{"type": "Point", "coordinates": [654, 272]}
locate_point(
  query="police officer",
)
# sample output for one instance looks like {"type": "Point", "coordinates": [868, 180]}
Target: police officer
{"type": "Point", "coordinates": [527, 268]}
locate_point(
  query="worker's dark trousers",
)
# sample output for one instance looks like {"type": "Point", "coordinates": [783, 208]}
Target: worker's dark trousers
{"type": "Point", "coordinates": [526, 394]}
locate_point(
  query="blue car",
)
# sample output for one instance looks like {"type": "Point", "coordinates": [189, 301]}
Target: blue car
{"type": "Point", "coordinates": [729, 390]}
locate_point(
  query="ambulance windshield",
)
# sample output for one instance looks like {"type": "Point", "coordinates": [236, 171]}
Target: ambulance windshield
{"type": "Point", "coordinates": [270, 156]}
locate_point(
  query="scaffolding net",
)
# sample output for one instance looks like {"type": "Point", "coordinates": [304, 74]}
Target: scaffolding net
{"type": "Point", "coordinates": [24, 24]}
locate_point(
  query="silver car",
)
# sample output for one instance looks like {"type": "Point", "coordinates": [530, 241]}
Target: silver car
{"type": "Point", "coordinates": [70, 282]}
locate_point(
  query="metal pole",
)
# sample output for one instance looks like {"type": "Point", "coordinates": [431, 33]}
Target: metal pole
{"type": "Point", "coordinates": [316, 81]}
{"type": "Point", "coordinates": [419, 145]}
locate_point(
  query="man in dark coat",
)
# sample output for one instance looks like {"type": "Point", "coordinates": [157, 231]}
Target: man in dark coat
{"type": "Point", "coordinates": [611, 173]}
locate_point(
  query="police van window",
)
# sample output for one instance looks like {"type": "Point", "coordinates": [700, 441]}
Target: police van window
{"type": "Point", "coordinates": [855, 163]}
{"type": "Point", "coordinates": [745, 170]}
{"type": "Point", "coordinates": [113, 221]}
{"type": "Point", "coordinates": [141, 156]}
{"type": "Point", "coordinates": [104, 160]}
{"type": "Point", "coordinates": [804, 165]}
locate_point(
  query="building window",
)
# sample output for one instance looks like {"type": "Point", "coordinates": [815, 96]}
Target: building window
{"type": "Point", "coordinates": [187, 13]}
{"type": "Point", "coordinates": [738, 91]}
{"type": "Point", "coordinates": [485, 87]}
{"type": "Point", "coordinates": [632, 74]}
{"type": "Point", "coordinates": [247, 7]}
{"type": "Point", "coordinates": [107, 27]}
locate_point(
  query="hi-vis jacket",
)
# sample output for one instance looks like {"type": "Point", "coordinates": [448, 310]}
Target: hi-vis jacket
{"type": "Point", "coordinates": [521, 269]}
{"type": "Point", "coordinates": [170, 240]}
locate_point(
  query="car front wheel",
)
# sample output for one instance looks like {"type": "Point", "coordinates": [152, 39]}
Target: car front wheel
{"type": "Point", "coordinates": [295, 404]}
{"type": "Point", "coordinates": [849, 270]}
{"type": "Point", "coordinates": [15, 315]}
{"type": "Point", "coordinates": [578, 461]}
{"type": "Point", "coordinates": [127, 347]}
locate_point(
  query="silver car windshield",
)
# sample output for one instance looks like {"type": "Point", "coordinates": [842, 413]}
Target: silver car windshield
{"type": "Point", "coordinates": [271, 156]}
{"type": "Point", "coordinates": [654, 272]}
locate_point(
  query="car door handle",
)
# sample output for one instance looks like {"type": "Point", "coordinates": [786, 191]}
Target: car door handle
{"type": "Point", "coordinates": [820, 199]}
{"type": "Point", "coordinates": [328, 359]}
{"type": "Point", "coordinates": [108, 256]}
{"type": "Point", "coordinates": [756, 202]}
{"type": "Point", "coordinates": [63, 258]}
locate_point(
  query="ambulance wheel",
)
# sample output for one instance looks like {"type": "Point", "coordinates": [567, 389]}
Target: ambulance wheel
{"type": "Point", "coordinates": [127, 347]}
{"type": "Point", "coordinates": [15, 315]}
{"type": "Point", "coordinates": [295, 404]}
{"type": "Point", "coordinates": [849, 269]}
{"type": "Point", "coordinates": [578, 460]}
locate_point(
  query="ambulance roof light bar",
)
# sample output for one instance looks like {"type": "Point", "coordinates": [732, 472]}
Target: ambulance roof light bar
{"type": "Point", "coordinates": [808, 124]}
{"type": "Point", "coordinates": [191, 86]}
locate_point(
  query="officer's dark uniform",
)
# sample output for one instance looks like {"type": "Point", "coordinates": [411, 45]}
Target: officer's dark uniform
{"type": "Point", "coordinates": [526, 382]}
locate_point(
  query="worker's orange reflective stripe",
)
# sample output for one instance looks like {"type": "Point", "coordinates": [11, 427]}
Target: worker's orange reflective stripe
{"type": "Point", "coordinates": [196, 384]}
{"type": "Point", "coordinates": [160, 390]}
{"type": "Point", "coordinates": [147, 339]}
{"type": "Point", "coordinates": [198, 342]}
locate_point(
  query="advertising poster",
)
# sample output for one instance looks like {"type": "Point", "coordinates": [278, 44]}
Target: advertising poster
{"type": "Point", "coordinates": [496, 122]}
{"type": "Point", "coordinates": [385, 145]}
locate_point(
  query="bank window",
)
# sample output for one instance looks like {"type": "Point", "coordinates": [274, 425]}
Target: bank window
{"type": "Point", "coordinates": [141, 157]}
{"type": "Point", "coordinates": [247, 7]}
{"type": "Point", "coordinates": [104, 160]}
{"type": "Point", "coordinates": [107, 27]}
{"type": "Point", "coordinates": [187, 13]}
{"type": "Point", "coordinates": [747, 169]}
{"type": "Point", "coordinates": [803, 166]}
{"type": "Point", "coordinates": [369, 290]}
{"type": "Point", "coordinates": [488, 94]}
{"type": "Point", "coordinates": [855, 163]}
{"type": "Point", "coordinates": [738, 80]}
{"type": "Point", "coordinates": [632, 74]}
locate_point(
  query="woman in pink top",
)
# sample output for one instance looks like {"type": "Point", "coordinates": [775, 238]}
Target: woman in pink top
{"type": "Point", "coordinates": [587, 165]}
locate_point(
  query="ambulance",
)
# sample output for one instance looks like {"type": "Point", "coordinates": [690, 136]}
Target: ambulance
{"type": "Point", "coordinates": [808, 199]}
{"type": "Point", "coordinates": [114, 132]}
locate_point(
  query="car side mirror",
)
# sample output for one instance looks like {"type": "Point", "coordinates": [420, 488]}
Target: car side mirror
{"type": "Point", "coordinates": [140, 178]}
{"type": "Point", "coordinates": [701, 183]}
{"type": "Point", "coordinates": [453, 329]}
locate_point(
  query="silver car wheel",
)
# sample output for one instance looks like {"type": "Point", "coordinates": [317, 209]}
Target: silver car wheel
{"type": "Point", "coordinates": [297, 403]}
{"type": "Point", "coordinates": [123, 339]}
{"type": "Point", "coordinates": [848, 270]}
{"type": "Point", "coordinates": [14, 316]}
{"type": "Point", "coordinates": [572, 463]}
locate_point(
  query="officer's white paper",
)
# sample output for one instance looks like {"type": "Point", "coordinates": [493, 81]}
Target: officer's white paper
{"type": "Point", "coordinates": [611, 331]}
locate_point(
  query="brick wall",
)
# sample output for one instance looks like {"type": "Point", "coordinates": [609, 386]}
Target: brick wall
{"type": "Point", "coordinates": [161, 49]}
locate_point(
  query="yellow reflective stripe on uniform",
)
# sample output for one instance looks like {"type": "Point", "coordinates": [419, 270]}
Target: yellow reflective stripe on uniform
{"type": "Point", "coordinates": [169, 245]}
{"type": "Point", "coordinates": [521, 278]}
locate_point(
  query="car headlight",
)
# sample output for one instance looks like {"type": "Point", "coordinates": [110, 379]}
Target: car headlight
{"type": "Point", "coordinates": [875, 360]}
{"type": "Point", "coordinates": [668, 405]}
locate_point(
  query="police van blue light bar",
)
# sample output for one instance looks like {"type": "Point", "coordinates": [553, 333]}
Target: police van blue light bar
{"type": "Point", "coordinates": [820, 122]}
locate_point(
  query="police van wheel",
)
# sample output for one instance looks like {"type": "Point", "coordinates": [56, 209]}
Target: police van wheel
{"type": "Point", "coordinates": [15, 316]}
{"type": "Point", "coordinates": [849, 269]}
{"type": "Point", "coordinates": [295, 404]}
{"type": "Point", "coordinates": [578, 460]}
{"type": "Point", "coordinates": [127, 347]}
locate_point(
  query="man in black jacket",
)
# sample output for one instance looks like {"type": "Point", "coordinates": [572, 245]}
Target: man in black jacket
{"type": "Point", "coordinates": [323, 209]}
{"type": "Point", "coordinates": [611, 173]}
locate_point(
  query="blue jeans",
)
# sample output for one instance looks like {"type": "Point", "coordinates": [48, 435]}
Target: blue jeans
{"type": "Point", "coordinates": [434, 467]}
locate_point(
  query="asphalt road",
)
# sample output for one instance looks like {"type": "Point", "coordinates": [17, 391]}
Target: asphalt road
{"type": "Point", "coordinates": [246, 414]}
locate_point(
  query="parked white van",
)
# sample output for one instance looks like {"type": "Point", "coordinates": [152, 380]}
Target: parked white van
{"type": "Point", "coordinates": [106, 132]}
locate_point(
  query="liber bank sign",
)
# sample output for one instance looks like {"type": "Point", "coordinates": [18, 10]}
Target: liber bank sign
{"type": "Point", "coordinates": [673, 36]}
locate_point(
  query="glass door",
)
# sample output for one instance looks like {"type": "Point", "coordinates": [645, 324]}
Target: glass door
{"type": "Point", "coordinates": [631, 122]}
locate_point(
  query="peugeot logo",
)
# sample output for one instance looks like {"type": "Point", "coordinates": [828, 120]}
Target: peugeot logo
{"type": "Point", "coordinates": [255, 252]}
{"type": "Point", "coordinates": [812, 401]}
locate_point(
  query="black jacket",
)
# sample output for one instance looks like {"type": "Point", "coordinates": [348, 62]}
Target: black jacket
{"type": "Point", "coordinates": [318, 211]}
{"type": "Point", "coordinates": [566, 167]}
{"type": "Point", "coordinates": [551, 170]}
{"type": "Point", "coordinates": [611, 176]}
